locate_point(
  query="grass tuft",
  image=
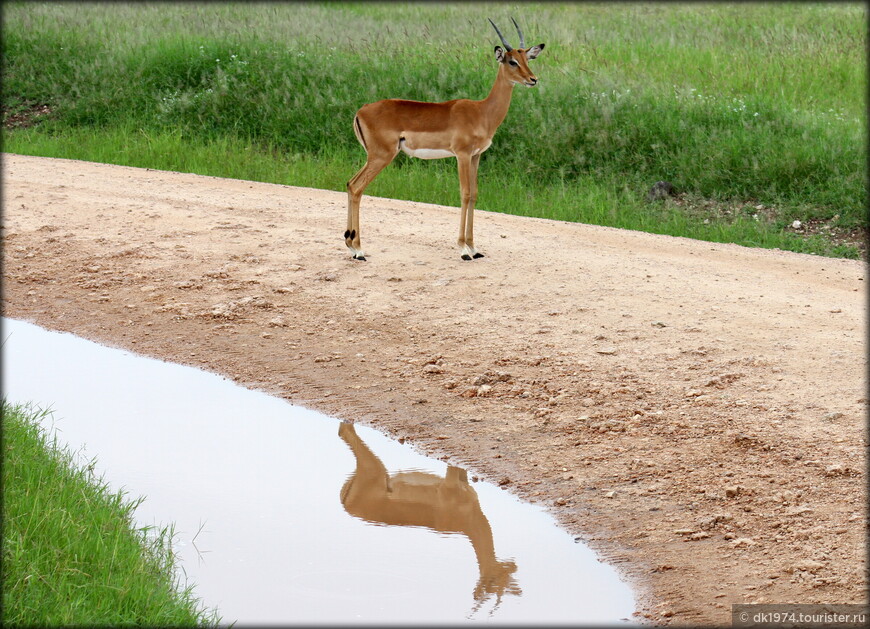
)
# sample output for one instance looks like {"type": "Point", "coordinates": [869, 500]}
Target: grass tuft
{"type": "Point", "coordinates": [72, 555]}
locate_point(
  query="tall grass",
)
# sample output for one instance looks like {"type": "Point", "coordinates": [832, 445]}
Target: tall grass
{"type": "Point", "coordinates": [71, 554]}
{"type": "Point", "coordinates": [745, 103]}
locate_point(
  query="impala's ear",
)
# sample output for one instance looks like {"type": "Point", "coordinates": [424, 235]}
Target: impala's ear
{"type": "Point", "coordinates": [531, 53]}
{"type": "Point", "coordinates": [499, 54]}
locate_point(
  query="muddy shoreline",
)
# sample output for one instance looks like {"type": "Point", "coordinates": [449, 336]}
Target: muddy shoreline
{"type": "Point", "coordinates": [695, 412]}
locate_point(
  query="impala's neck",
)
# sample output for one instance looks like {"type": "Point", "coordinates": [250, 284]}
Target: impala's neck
{"type": "Point", "coordinates": [499, 100]}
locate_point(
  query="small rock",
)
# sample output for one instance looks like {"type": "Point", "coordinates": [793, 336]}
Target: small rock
{"type": "Point", "coordinates": [561, 502]}
{"type": "Point", "coordinates": [610, 494]}
{"type": "Point", "coordinates": [732, 490]}
{"type": "Point", "coordinates": [798, 511]}
{"type": "Point", "coordinates": [659, 324]}
{"type": "Point", "coordinates": [484, 390]}
{"type": "Point", "coordinates": [432, 368]}
{"type": "Point", "coordinates": [838, 469]}
{"type": "Point", "coordinates": [607, 351]}
{"type": "Point", "coordinates": [504, 480]}
{"type": "Point", "coordinates": [278, 322]}
{"type": "Point", "coordinates": [829, 417]}
{"type": "Point", "coordinates": [743, 542]}
{"type": "Point", "coordinates": [323, 359]}
{"type": "Point", "coordinates": [481, 379]}
{"type": "Point", "coordinates": [660, 190]}
{"type": "Point", "coordinates": [796, 225]}
{"type": "Point", "coordinates": [807, 565]}
{"type": "Point", "coordinates": [663, 567]}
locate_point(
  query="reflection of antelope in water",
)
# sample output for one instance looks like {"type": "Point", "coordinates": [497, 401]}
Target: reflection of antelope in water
{"type": "Point", "coordinates": [446, 505]}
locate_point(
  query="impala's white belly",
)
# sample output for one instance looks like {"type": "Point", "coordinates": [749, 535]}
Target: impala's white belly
{"type": "Point", "coordinates": [425, 153]}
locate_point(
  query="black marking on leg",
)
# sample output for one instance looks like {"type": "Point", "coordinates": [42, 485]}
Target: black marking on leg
{"type": "Point", "coordinates": [352, 234]}
{"type": "Point", "coordinates": [347, 234]}
{"type": "Point", "coordinates": [478, 255]}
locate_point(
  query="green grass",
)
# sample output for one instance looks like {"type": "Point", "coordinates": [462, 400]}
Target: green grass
{"type": "Point", "coordinates": [71, 553]}
{"type": "Point", "coordinates": [740, 105]}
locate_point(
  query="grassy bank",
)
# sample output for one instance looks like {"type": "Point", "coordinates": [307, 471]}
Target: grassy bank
{"type": "Point", "coordinates": [755, 112]}
{"type": "Point", "coordinates": [71, 554]}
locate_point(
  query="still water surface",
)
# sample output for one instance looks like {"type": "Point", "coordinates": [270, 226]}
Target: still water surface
{"type": "Point", "coordinates": [285, 515]}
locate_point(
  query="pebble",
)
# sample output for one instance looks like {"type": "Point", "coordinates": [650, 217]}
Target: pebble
{"type": "Point", "coordinates": [838, 469]}
{"type": "Point", "coordinates": [743, 542]}
{"type": "Point", "coordinates": [807, 565]}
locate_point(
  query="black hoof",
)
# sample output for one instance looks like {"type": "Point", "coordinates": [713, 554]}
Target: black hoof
{"type": "Point", "coordinates": [478, 255]}
{"type": "Point", "coordinates": [465, 256]}
{"type": "Point", "coordinates": [363, 258]}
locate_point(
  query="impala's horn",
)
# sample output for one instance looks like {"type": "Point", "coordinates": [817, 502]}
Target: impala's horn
{"type": "Point", "coordinates": [522, 40]}
{"type": "Point", "coordinates": [507, 46]}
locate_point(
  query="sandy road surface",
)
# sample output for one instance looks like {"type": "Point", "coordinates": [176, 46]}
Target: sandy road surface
{"type": "Point", "coordinates": [694, 411]}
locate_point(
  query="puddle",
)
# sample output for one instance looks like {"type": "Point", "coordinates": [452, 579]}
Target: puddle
{"type": "Point", "coordinates": [285, 515]}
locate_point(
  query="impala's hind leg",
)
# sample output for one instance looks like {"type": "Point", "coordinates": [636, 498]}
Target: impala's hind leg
{"type": "Point", "coordinates": [355, 188]}
{"type": "Point", "coordinates": [381, 149]}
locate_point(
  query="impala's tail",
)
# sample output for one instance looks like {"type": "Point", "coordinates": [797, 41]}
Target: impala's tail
{"type": "Point", "coordinates": [357, 129]}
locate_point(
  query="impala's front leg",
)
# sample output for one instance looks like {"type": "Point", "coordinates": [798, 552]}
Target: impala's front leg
{"type": "Point", "coordinates": [468, 190]}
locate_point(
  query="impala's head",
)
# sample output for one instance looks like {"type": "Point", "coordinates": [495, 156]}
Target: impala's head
{"type": "Point", "coordinates": [516, 60]}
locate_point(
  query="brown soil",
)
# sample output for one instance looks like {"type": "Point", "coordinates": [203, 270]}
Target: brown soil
{"type": "Point", "coordinates": [693, 411]}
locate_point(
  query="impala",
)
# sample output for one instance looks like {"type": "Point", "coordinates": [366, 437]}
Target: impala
{"type": "Point", "coordinates": [445, 504]}
{"type": "Point", "coordinates": [456, 128]}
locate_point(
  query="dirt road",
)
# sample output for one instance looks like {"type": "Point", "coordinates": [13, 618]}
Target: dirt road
{"type": "Point", "coordinates": [693, 411]}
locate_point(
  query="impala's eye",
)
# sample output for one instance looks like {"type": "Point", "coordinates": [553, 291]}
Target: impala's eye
{"type": "Point", "coordinates": [514, 63]}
